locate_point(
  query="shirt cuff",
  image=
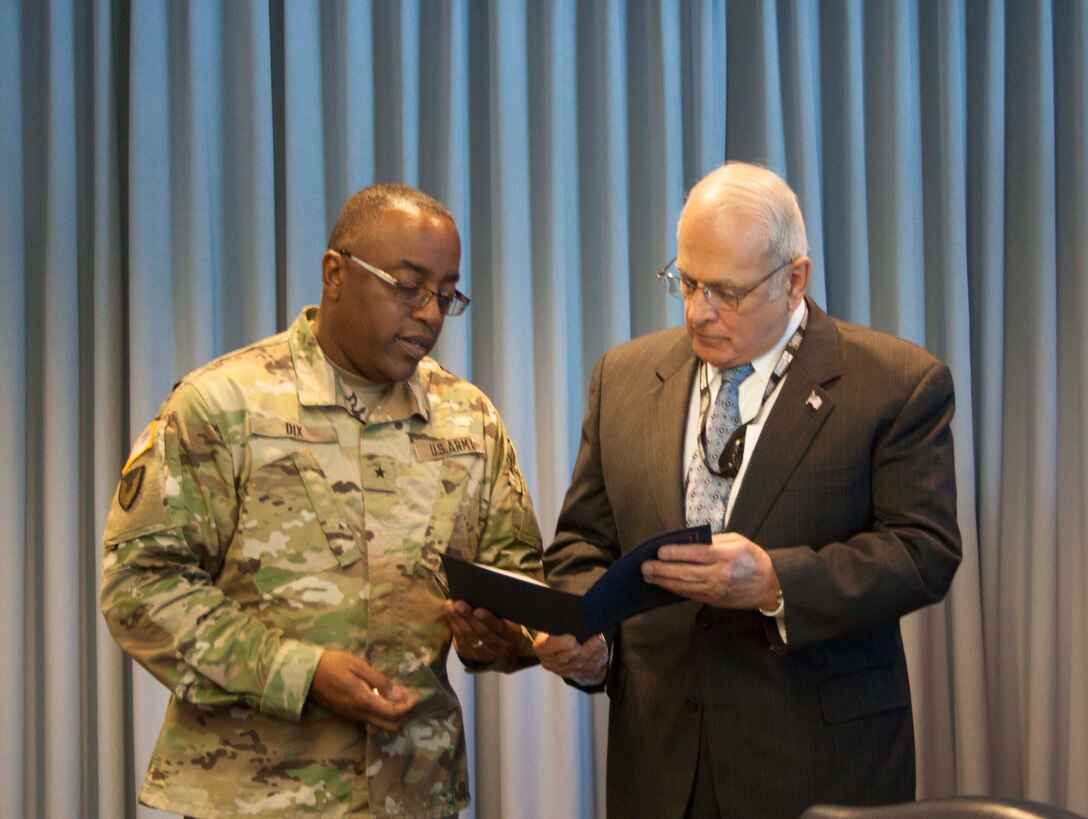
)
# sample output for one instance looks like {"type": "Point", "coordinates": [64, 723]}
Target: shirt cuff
{"type": "Point", "coordinates": [779, 616]}
{"type": "Point", "coordinates": [587, 683]}
{"type": "Point", "coordinates": [779, 607]}
{"type": "Point", "coordinates": [289, 679]}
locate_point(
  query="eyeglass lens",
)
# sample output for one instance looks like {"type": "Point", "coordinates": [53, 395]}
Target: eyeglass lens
{"type": "Point", "coordinates": [416, 296]}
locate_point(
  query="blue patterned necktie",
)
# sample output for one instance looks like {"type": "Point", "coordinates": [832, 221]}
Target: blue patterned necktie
{"type": "Point", "coordinates": [707, 495]}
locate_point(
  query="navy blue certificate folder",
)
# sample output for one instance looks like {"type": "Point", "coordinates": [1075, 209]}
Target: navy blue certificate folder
{"type": "Point", "coordinates": [616, 595]}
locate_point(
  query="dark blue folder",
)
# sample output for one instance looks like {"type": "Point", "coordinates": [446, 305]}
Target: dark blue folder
{"type": "Point", "coordinates": [618, 594]}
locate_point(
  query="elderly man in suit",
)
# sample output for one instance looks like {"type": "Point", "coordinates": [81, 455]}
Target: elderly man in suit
{"type": "Point", "coordinates": [820, 453]}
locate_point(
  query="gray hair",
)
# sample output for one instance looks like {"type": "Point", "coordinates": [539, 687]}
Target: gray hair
{"type": "Point", "coordinates": [365, 205]}
{"type": "Point", "coordinates": [764, 196]}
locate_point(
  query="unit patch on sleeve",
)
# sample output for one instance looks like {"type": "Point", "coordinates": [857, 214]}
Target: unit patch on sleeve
{"type": "Point", "coordinates": [129, 487]}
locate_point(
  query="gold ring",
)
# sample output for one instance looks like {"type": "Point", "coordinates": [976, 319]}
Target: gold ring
{"type": "Point", "coordinates": [476, 643]}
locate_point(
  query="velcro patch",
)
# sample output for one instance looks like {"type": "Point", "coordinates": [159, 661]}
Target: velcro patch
{"type": "Point", "coordinates": [279, 428]}
{"type": "Point", "coordinates": [129, 487]}
{"type": "Point", "coordinates": [379, 473]}
{"type": "Point", "coordinates": [141, 445]}
{"type": "Point", "coordinates": [436, 448]}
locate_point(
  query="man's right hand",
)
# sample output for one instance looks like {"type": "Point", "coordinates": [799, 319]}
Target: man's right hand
{"type": "Point", "coordinates": [355, 690]}
{"type": "Point", "coordinates": [585, 663]}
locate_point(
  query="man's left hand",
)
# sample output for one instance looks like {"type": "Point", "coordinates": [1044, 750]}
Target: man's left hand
{"type": "Point", "coordinates": [731, 573]}
{"type": "Point", "coordinates": [585, 663]}
{"type": "Point", "coordinates": [481, 638]}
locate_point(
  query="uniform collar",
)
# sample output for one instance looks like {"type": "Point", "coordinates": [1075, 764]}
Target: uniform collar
{"type": "Point", "coordinates": [319, 386]}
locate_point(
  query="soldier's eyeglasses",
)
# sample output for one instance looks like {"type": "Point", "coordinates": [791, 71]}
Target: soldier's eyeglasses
{"type": "Point", "coordinates": [414, 295]}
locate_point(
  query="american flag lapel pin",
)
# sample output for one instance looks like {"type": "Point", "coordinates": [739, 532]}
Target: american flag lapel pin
{"type": "Point", "coordinates": [813, 402]}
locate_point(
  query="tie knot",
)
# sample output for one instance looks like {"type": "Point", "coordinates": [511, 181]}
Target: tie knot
{"type": "Point", "coordinates": [733, 376]}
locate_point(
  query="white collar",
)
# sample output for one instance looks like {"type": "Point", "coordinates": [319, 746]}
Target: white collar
{"type": "Point", "coordinates": [764, 364]}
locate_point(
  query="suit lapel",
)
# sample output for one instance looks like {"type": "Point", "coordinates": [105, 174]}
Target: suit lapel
{"type": "Point", "coordinates": [798, 414]}
{"type": "Point", "coordinates": [669, 402]}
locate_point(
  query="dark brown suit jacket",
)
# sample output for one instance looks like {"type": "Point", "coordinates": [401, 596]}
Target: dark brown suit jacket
{"type": "Point", "coordinates": [851, 489]}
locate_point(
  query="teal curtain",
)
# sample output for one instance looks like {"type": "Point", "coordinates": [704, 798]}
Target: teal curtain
{"type": "Point", "coordinates": [169, 175]}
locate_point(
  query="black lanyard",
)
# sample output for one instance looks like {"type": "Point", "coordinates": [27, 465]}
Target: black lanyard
{"type": "Point", "coordinates": [732, 455]}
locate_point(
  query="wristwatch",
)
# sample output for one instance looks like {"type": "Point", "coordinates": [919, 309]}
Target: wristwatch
{"type": "Point", "coordinates": [779, 605]}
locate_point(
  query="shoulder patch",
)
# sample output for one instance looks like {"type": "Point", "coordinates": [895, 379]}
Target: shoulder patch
{"type": "Point", "coordinates": [129, 487]}
{"type": "Point", "coordinates": [139, 505]}
{"type": "Point", "coordinates": [141, 445]}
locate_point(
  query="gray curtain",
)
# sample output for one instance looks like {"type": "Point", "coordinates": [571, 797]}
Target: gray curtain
{"type": "Point", "coordinates": [168, 176]}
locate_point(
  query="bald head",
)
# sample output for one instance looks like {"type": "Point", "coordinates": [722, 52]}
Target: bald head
{"type": "Point", "coordinates": [756, 194]}
{"type": "Point", "coordinates": [741, 236]}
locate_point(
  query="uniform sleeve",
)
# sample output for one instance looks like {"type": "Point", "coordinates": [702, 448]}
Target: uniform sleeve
{"type": "Point", "coordinates": [169, 525]}
{"type": "Point", "coordinates": [509, 535]}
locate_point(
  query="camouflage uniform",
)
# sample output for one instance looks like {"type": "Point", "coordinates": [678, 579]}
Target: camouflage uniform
{"type": "Point", "coordinates": [256, 524]}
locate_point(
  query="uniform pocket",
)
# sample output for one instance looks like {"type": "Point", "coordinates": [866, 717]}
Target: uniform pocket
{"type": "Point", "coordinates": [337, 534]}
{"type": "Point", "coordinates": [291, 524]}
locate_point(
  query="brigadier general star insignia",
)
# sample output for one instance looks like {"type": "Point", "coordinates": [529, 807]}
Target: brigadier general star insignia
{"type": "Point", "coordinates": [129, 487]}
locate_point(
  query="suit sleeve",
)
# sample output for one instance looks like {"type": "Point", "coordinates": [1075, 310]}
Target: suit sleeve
{"type": "Point", "coordinates": [906, 559]}
{"type": "Point", "coordinates": [166, 533]}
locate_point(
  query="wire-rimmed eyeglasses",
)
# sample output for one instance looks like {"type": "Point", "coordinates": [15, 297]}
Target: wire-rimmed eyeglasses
{"type": "Point", "coordinates": [414, 295]}
{"type": "Point", "coordinates": [720, 297]}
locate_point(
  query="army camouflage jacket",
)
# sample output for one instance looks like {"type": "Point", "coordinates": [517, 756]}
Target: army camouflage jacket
{"type": "Point", "coordinates": [259, 522]}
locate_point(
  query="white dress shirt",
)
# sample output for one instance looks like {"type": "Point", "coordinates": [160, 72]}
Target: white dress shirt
{"type": "Point", "coordinates": [749, 396]}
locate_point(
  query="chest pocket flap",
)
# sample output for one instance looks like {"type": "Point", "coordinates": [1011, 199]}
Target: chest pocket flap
{"type": "Point", "coordinates": [341, 540]}
{"type": "Point", "coordinates": [289, 439]}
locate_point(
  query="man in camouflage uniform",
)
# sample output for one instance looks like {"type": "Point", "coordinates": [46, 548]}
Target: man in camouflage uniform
{"type": "Point", "coordinates": [272, 553]}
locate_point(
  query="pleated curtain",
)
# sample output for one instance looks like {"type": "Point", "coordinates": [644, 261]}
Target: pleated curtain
{"type": "Point", "coordinates": [169, 173]}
